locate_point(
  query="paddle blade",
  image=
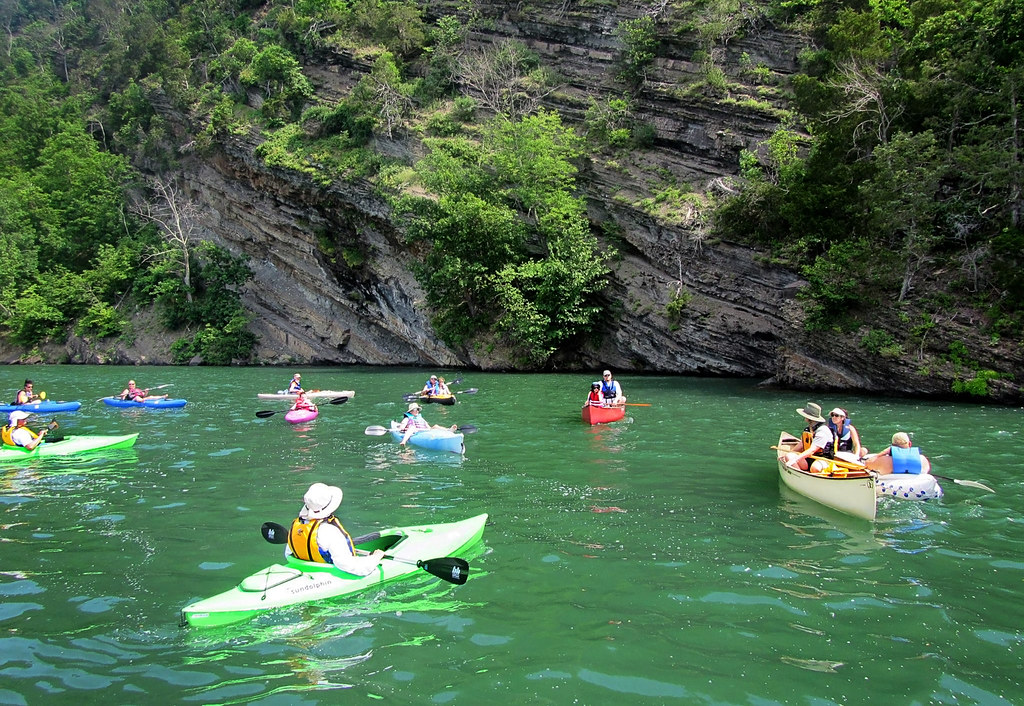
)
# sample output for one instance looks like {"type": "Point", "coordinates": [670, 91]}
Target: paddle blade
{"type": "Point", "coordinates": [263, 414]}
{"type": "Point", "coordinates": [449, 568]}
{"type": "Point", "coordinates": [274, 533]}
{"type": "Point", "coordinates": [375, 431]}
{"type": "Point", "coordinates": [470, 391]}
{"type": "Point", "coordinates": [339, 400]}
{"type": "Point", "coordinates": [468, 429]}
{"type": "Point", "coordinates": [42, 395]}
{"type": "Point", "coordinates": [972, 484]}
{"type": "Point", "coordinates": [411, 397]}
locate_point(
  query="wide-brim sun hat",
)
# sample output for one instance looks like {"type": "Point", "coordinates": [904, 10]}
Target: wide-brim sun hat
{"type": "Point", "coordinates": [17, 415]}
{"type": "Point", "coordinates": [414, 407]}
{"type": "Point", "coordinates": [812, 412]}
{"type": "Point", "coordinates": [320, 501]}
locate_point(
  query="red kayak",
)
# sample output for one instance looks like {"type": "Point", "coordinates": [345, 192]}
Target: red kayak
{"type": "Point", "coordinates": [602, 415]}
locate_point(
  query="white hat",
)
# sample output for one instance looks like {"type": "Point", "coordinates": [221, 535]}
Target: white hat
{"type": "Point", "coordinates": [606, 372]}
{"type": "Point", "coordinates": [17, 416]}
{"type": "Point", "coordinates": [839, 411]}
{"type": "Point", "coordinates": [433, 377]}
{"type": "Point", "coordinates": [320, 501]}
{"type": "Point", "coordinates": [414, 405]}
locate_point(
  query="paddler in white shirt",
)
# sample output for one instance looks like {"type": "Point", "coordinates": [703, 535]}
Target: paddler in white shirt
{"type": "Point", "coordinates": [317, 535]}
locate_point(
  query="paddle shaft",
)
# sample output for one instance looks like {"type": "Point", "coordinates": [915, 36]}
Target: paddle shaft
{"type": "Point", "coordinates": [264, 413]}
{"type": "Point", "coordinates": [448, 568]}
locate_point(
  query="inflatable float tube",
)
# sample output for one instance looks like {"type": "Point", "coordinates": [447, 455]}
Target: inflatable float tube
{"type": "Point", "coordinates": [909, 486]}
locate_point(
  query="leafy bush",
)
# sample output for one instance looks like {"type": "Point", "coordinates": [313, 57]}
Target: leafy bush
{"type": "Point", "coordinates": [101, 319]}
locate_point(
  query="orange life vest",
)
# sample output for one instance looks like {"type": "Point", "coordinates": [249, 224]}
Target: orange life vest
{"type": "Point", "coordinates": [302, 538]}
{"type": "Point", "coordinates": [7, 431]}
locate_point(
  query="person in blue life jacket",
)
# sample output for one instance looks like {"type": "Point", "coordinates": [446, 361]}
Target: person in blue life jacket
{"type": "Point", "coordinates": [17, 434]}
{"type": "Point", "coordinates": [611, 391]}
{"type": "Point", "coordinates": [432, 386]}
{"type": "Point", "coordinates": [900, 457]}
{"type": "Point", "coordinates": [317, 535]}
{"type": "Point", "coordinates": [25, 395]}
{"type": "Point", "coordinates": [295, 386]}
{"type": "Point", "coordinates": [845, 437]}
{"type": "Point", "coordinates": [413, 422]}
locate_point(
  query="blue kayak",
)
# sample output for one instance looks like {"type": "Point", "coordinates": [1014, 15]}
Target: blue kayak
{"type": "Point", "coordinates": [152, 404]}
{"type": "Point", "coordinates": [438, 439]}
{"type": "Point", "coordinates": [43, 407]}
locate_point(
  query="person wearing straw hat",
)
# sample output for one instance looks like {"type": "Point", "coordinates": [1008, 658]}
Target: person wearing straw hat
{"type": "Point", "coordinates": [317, 535]}
{"type": "Point", "coordinates": [295, 386]}
{"type": "Point", "coordinates": [17, 434]}
{"type": "Point", "coordinates": [815, 440]}
{"type": "Point", "coordinates": [413, 422]}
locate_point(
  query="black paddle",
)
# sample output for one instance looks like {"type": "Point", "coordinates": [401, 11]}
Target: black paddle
{"type": "Point", "coordinates": [448, 568]}
{"type": "Point", "coordinates": [470, 391]}
{"type": "Point", "coordinates": [263, 414]}
{"type": "Point", "coordinates": [381, 431]}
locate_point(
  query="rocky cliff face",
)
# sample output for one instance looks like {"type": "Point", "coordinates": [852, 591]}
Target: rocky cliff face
{"type": "Point", "coordinates": [333, 281]}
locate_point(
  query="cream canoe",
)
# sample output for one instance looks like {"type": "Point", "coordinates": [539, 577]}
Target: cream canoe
{"type": "Point", "coordinates": [851, 491]}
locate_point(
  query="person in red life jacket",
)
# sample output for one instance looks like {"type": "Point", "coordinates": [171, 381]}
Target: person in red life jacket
{"type": "Point", "coordinates": [816, 438]}
{"type": "Point", "coordinates": [25, 395]}
{"type": "Point", "coordinates": [135, 394]}
{"type": "Point", "coordinates": [17, 434]}
{"type": "Point", "coordinates": [901, 457]}
{"type": "Point", "coordinates": [317, 535]}
{"type": "Point", "coordinates": [594, 399]}
{"type": "Point", "coordinates": [302, 403]}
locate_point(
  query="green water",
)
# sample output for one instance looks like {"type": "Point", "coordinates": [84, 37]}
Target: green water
{"type": "Point", "coordinates": [656, 560]}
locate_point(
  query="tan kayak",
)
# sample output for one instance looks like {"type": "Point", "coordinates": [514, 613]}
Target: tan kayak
{"type": "Point", "coordinates": [310, 394]}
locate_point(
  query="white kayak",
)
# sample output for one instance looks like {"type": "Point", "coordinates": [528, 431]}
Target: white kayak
{"type": "Point", "coordinates": [310, 394]}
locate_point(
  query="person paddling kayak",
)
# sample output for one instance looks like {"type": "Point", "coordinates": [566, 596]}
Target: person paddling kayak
{"type": "Point", "coordinates": [17, 434]}
{"type": "Point", "coordinates": [317, 535]}
{"type": "Point", "coordinates": [25, 395]}
{"type": "Point", "coordinates": [413, 422]}
{"type": "Point", "coordinates": [134, 394]}
{"type": "Point", "coordinates": [302, 403]}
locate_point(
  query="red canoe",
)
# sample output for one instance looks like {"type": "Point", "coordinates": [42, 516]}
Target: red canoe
{"type": "Point", "coordinates": [602, 415]}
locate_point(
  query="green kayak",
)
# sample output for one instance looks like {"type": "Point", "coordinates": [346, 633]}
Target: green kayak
{"type": "Point", "coordinates": [67, 446]}
{"type": "Point", "coordinates": [407, 550]}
